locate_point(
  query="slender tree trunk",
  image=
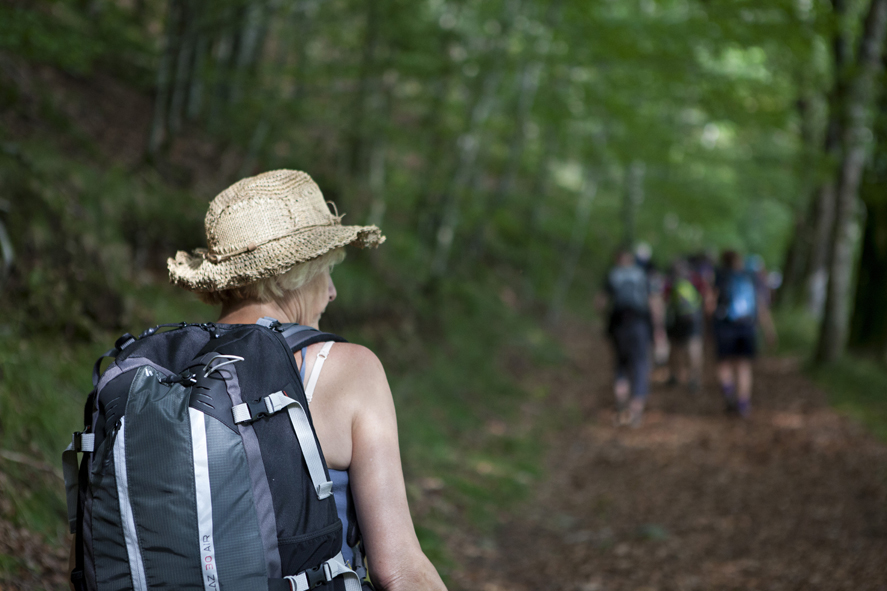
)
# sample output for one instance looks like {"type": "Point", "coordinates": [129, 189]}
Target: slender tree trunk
{"type": "Point", "coordinates": [796, 258]}
{"type": "Point", "coordinates": [184, 66]}
{"type": "Point", "coordinates": [529, 84]}
{"type": "Point", "coordinates": [816, 275]}
{"type": "Point", "coordinates": [632, 198]}
{"type": "Point", "coordinates": [868, 326]}
{"type": "Point", "coordinates": [356, 132]}
{"type": "Point", "coordinates": [469, 146]}
{"type": "Point", "coordinates": [574, 250]}
{"type": "Point", "coordinates": [834, 327]}
{"type": "Point", "coordinates": [157, 134]}
{"type": "Point", "coordinates": [195, 90]}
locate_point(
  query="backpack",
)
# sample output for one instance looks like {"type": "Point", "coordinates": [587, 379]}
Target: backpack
{"type": "Point", "coordinates": [629, 289]}
{"type": "Point", "coordinates": [740, 301]}
{"type": "Point", "coordinates": [201, 468]}
{"type": "Point", "coordinates": [685, 299]}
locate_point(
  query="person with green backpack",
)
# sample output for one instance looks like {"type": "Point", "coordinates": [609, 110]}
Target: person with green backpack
{"type": "Point", "coordinates": [684, 324]}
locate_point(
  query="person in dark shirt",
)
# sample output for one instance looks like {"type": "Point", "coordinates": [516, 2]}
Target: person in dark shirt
{"type": "Point", "coordinates": [629, 327]}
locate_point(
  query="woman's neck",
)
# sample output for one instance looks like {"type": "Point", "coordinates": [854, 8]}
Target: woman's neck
{"type": "Point", "coordinates": [248, 312]}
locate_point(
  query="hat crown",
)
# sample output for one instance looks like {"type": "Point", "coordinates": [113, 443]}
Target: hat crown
{"type": "Point", "coordinates": [263, 208]}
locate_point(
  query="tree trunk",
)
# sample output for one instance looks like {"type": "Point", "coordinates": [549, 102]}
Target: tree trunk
{"type": "Point", "coordinates": [824, 210]}
{"type": "Point", "coordinates": [157, 134]}
{"type": "Point", "coordinates": [861, 95]}
{"type": "Point", "coordinates": [469, 146]}
{"type": "Point", "coordinates": [868, 326]}
{"type": "Point", "coordinates": [356, 132]}
{"type": "Point", "coordinates": [529, 84]}
{"type": "Point", "coordinates": [184, 66]}
{"type": "Point", "coordinates": [632, 198]}
{"type": "Point", "coordinates": [574, 250]}
{"type": "Point", "coordinates": [796, 259]}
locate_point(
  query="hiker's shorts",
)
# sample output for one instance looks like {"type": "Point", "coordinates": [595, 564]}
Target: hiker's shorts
{"type": "Point", "coordinates": [685, 328]}
{"type": "Point", "coordinates": [735, 339]}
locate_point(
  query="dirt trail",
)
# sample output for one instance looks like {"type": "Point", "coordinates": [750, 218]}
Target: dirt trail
{"type": "Point", "coordinates": [795, 498]}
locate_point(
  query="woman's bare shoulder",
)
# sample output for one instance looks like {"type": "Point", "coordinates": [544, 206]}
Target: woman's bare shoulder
{"type": "Point", "coordinates": [356, 367]}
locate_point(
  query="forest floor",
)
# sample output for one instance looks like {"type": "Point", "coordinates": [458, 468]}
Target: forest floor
{"type": "Point", "coordinates": [794, 498]}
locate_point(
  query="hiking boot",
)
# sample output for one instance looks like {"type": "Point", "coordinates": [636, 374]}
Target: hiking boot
{"type": "Point", "coordinates": [623, 418]}
{"type": "Point", "coordinates": [731, 406]}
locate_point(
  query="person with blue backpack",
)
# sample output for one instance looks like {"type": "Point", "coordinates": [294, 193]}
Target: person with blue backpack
{"type": "Point", "coordinates": [218, 455]}
{"type": "Point", "coordinates": [741, 308]}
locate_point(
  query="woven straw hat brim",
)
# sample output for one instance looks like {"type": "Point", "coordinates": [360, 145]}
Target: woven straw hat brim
{"type": "Point", "coordinates": [196, 273]}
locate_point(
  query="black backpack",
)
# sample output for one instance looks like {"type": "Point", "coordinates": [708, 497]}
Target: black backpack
{"type": "Point", "coordinates": [201, 468]}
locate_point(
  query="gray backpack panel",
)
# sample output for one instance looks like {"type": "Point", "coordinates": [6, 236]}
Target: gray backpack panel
{"type": "Point", "coordinates": [629, 288]}
{"type": "Point", "coordinates": [238, 546]}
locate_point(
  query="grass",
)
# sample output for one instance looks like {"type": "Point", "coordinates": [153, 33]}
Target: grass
{"type": "Point", "coordinates": [856, 386]}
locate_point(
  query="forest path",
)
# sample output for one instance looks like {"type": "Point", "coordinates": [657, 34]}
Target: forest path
{"type": "Point", "coordinates": [794, 498]}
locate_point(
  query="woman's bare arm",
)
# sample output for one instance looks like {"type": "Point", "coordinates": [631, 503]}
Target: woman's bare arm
{"type": "Point", "coordinates": [395, 559]}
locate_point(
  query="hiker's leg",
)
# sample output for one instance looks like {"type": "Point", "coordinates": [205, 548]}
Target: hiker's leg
{"type": "Point", "coordinates": [640, 371]}
{"type": "Point", "coordinates": [621, 383]}
{"type": "Point", "coordinates": [725, 375]}
{"type": "Point", "coordinates": [744, 384]}
{"type": "Point", "coordinates": [746, 350]}
{"type": "Point", "coordinates": [695, 355]}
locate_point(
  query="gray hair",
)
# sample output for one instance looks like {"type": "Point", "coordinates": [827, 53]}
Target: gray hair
{"type": "Point", "coordinates": [271, 288]}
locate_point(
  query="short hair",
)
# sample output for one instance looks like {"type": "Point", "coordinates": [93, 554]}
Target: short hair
{"type": "Point", "coordinates": [730, 259]}
{"type": "Point", "coordinates": [271, 288]}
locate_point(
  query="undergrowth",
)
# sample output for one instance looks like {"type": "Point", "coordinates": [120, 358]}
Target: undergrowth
{"type": "Point", "coordinates": [855, 385]}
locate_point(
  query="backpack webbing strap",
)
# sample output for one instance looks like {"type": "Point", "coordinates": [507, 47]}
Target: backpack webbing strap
{"type": "Point", "coordinates": [310, 451]}
{"type": "Point", "coordinates": [325, 573]}
{"type": "Point", "coordinates": [80, 442]}
{"type": "Point", "coordinates": [248, 412]}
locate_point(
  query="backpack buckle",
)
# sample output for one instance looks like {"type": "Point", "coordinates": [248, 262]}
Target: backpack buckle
{"type": "Point", "coordinates": [258, 409]}
{"type": "Point", "coordinates": [319, 575]}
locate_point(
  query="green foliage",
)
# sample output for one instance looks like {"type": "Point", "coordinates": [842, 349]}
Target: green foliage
{"type": "Point", "coordinates": [855, 385]}
{"type": "Point", "coordinates": [42, 391]}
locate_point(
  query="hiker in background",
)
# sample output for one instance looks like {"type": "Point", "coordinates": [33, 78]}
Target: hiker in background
{"type": "Point", "coordinates": [287, 277]}
{"type": "Point", "coordinates": [740, 309]}
{"type": "Point", "coordinates": [643, 256]}
{"type": "Point", "coordinates": [684, 323]}
{"type": "Point", "coordinates": [627, 291]}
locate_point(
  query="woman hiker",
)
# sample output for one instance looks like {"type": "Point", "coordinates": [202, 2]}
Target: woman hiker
{"type": "Point", "coordinates": [273, 242]}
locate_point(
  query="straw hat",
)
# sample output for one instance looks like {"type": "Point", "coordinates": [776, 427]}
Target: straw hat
{"type": "Point", "coordinates": [261, 227]}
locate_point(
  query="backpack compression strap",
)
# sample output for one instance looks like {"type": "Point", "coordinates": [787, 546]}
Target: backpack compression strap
{"type": "Point", "coordinates": [311, 578]}
{"type": "Point", "coordinates": [299, 335]}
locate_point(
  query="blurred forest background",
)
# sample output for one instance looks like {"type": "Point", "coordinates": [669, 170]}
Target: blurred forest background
{"type": "Point", "coordinates": [506, 148]}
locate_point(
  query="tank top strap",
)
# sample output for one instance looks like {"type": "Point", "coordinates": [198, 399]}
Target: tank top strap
{"type": "Point", "coordinates": [315, 371]}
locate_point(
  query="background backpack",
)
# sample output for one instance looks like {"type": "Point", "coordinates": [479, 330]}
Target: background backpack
{"type": "Point", "coordinates": [201, 468]}
{"type": "Point", "coordinates": [740, 301]}
{"type": "Point", "coordinates": [685, 299]}
{"type": "Point", "coordinates": [629, 288]}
